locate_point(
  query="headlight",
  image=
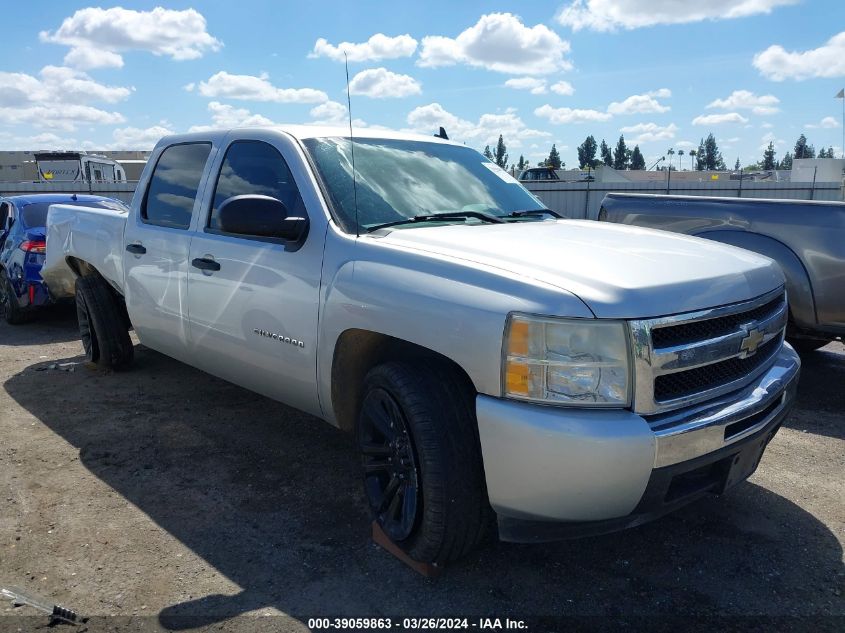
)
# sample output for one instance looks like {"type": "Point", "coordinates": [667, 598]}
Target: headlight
{"type": "Point", "coordinates": [579, 362]}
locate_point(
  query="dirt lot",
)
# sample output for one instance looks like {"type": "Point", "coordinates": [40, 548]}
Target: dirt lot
{"type": "Point", "coordinates": [163, 492]}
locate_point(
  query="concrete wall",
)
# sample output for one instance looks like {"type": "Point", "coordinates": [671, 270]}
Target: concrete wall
{"type": "Point", "coordinates": [120, 190]}
{"type": "Point", "coordinates": [582, 199]}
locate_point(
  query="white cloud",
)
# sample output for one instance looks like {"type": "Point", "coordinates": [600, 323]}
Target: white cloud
{"type": "Point", "coordinates": [427, 119]}
{"type": "Point", "coordinates": [766, 126]}
{"type": "Point", "coordinates": [769, 138]}
{"type": "Point", "coordinates": [59, 117]}
{"type": "Point", "coordinates": [563, 88]}
{"type": "Point", "coordinates": [649, 132]}
{"type": "Point", "coordinates": [718, 119]}
{"type": "Point", "coordinates": [563, 116]}
{"type": "Point", "coordinates": [536, 86]}
{"type": "Point", "coordinates": [499, 42]}
{"type": "Point", "coordinates": [138, 138]}
{"type": "Point", "coordinates": [97, 36]}
{"type": "Point", "coordinates": [252, 88]}
{"type": "Point", "coordinates": [641, 104]}
{"type": "Point", "coordinates": [45, 140]}
{"type": "Point", "coordinates": [828, 122]}
{"type": "Point", "coordinates": [777, 64]}
{"type": "Point", "coordinates": [59, 99]}
{"type": "Point", "coordinates": [685, 145]}
{"type": "Point", "coordinates": [380, 83]}
{"type": "Point", "coordinates": [377, 48]}
{"type": "Point", "coordinates": [746, 100]}
{"type": "Point", "coordinates": [225, 116]}
{"type": "Point", "coordinates": [610, 15]}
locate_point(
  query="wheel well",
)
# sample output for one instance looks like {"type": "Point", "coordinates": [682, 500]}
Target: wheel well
{"type": "Point", "coordinates": [358, 351]}
{"type": "Point", "coordinates": [80, 267]}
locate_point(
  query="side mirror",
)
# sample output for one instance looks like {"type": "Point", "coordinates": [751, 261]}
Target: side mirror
{"type": "Point", "coordinates": [260, 216]}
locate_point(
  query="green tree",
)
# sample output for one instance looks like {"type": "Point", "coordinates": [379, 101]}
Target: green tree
{"type": "Point", "coordinates": [712, 156]}
{"type": "Point", "coordinates": [520, 165]}
{"type": "Point", "coordinates": [487, 153]}
{"type": "Point", "coordinates": [620, 154]}
{"type": "Point", "coordinates": [737, 165]}
{"type": "Point", "coordinates": [501, 154]}
{"type": "Point", "coordinates": [830, 152]}
{"type": "Point", "coordinates": [822, 153]}
{"type": "Point", "coordinates": [700, 157]}
{"type": "Point", "coordinates": [553, 160]}
{"type": "Point", "coordinates": [802, 150]}
{"type": "Point", "coordinates": [786, 163]}
{"type": "Point", "coordinates": [637, 159]}
{"type": "Point", "coordinates": [606, 156]}
{"type": "Point", "coordinates": [587, 153]}
{"type": "Point", "coordinates": [769, 157]}
{"type": "Point", "coordinates": [692, 155]}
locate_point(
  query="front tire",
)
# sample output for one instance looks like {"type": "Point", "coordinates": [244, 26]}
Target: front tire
{"type": "Point", "coordinates": [102, 327]}
{"type": "Point", "coordinates": [423, 472]}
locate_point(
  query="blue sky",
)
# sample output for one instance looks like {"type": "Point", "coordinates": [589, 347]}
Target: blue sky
{"type": "Point", "coordinates": [663, 72]}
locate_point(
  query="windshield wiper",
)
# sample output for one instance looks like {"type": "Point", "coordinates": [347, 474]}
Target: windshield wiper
{"type": "Point", "coordinates": [435, 217]}
{"type": "Point", "coordinates": [530, 212]}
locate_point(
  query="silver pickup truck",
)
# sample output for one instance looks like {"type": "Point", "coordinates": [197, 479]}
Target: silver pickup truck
{"type": "Point", "coordinates": [498, 365]}
{"type": "Point", "coordinates": [806, 238]}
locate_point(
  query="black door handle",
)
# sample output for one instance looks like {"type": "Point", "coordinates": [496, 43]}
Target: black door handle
{"type": "Point", "coordinates": [137, 249]}
{"type": "Point", "coordinates": [205, 264]}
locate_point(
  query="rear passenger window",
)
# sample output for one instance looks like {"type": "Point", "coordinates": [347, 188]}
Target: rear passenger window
{"type": "Point", "coordinates": [255, 167]}
{"type": "Point", "coordinates": [174, 184]}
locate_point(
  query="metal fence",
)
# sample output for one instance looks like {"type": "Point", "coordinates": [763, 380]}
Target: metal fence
{"type": "Point", "coordinates": [572, 199]}
{"type": "Point", "coordinates": [583, 199]}
{"type": "Point", "coordinates": [120, 190]}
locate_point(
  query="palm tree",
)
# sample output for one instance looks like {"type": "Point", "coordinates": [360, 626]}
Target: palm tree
{"type": "Point", "coordinates": [671, 153]}
{"type": "Point", "coordinates": [680, 154]}
{"type": "Point", "coordinates": [692, 155]}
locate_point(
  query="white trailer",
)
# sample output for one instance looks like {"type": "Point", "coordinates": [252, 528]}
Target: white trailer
{"type": "Point", "coordinates": [77, 167]}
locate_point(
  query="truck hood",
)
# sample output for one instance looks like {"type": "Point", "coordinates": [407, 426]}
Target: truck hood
{"type": "Point", "coordinates": [618, 271]}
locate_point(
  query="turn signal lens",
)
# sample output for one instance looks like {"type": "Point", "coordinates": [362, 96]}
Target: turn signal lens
{"type": "Point", "coordinates": [34, 246]}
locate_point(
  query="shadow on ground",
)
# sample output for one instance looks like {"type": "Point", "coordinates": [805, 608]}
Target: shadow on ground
{"type": "Point", "coordinates": [270, 498]}
{"type": "Point", "coordinates": [55, 324]}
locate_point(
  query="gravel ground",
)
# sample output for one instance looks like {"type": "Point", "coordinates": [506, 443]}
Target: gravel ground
{"type": "Point", "coordinates": [169, 495]}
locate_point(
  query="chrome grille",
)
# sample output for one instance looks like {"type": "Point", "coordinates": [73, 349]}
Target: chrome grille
{"type": "Point", "coordinates": [688, 358]}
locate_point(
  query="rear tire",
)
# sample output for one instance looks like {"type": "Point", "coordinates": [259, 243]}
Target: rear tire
{"type": "Point", "coordinates": [102, 327]}
{"type": "Point", "coordinates": [9, 301]}
{"type": "Point", "coordinates": [423, 472]}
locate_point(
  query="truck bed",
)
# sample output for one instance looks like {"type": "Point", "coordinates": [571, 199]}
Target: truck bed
{"type": "Point", "coordinates": [93, 235]}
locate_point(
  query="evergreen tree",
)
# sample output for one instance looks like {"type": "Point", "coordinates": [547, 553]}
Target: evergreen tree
{"type": "Point", "coordinates": [520, 165]}
{"type": "Point", "coordinates": [606, 156]}
{"type": "Point", "coordinates": [802, 150]}
{"type": "Point", "coordinates": [553, 160]}
{"type": "Point", "coordinates": [786, 163]}
{"type": "Point", "coordinates": [830, 152]}
{"type": "Point", "coordinates": [501, 153]}
{"type": "Point", "coordinates": [620, 154]}
{"type": "Point", "coordinates": [700, 157]}
{"type": "Point", "coordinates": [737, 165]}
{"type": "Point", "coordinates": [487, 153]}
{"type": "Point", "coordinates": [712, 156]}
{"type": "Point", "coordinates": [769, 157]}
{"type": "Point", "coordinates": [587, 153]}
{"type": "Point", "coordinates": [823, 153]}
{"type": "Point", "coordinates": [637, 159]}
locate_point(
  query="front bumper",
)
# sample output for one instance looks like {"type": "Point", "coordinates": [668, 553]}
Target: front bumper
{"type": "Point", "coordinates": [557, 473]}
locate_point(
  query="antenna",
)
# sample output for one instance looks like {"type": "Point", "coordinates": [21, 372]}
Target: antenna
{"type": "Point", "coordinates": [352, 147]}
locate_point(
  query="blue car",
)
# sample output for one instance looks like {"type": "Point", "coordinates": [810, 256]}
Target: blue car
{"type": "Point", "coordinates": [23, 222]}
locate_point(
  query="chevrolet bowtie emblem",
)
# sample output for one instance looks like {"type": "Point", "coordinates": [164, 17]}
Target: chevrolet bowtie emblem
{"type": "Point", "coordinates": [751, 342]}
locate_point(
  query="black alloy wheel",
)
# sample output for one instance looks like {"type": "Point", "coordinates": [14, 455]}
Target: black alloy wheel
{"type": "Point", "coordinates": [391, 476]}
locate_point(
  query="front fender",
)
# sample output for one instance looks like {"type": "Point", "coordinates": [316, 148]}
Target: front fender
{"type": "Point", "coordinates": [451, 307]}
{"type": "Point", "coordinates": [798, 285]}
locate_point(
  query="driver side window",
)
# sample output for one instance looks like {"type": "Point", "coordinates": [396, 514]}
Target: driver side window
{"type": "Point", "coordinates": [257, 168]}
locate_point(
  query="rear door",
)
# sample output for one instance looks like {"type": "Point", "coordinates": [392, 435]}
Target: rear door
{"type": "Point", "coordinates": [157, 243]}
{"type": "Point", "coordinates": [254, 320]}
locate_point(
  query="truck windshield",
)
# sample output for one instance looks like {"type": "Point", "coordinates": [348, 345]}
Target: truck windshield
{"type": "Point", "coordinates": [401, 179]}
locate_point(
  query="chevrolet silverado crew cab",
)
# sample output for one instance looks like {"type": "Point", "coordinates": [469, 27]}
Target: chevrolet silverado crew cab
{"type": "Point", "coordinates": [499, 366]}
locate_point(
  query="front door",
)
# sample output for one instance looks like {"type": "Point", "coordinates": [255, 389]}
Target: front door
{"type": "Point", "coordinates": [157, 244]}
{"type": "Point", "coordinates": [254, 314]}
